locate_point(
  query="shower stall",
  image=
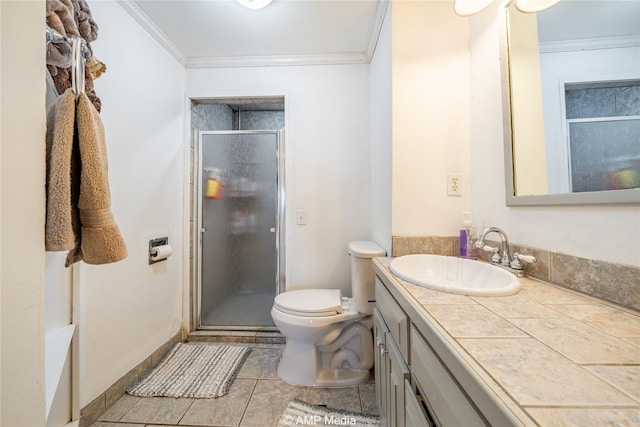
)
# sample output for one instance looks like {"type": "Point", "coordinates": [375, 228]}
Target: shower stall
{"type": "Point", "coordinates": [240, 228]}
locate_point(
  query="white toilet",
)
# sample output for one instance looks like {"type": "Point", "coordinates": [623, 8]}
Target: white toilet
{"type": "Point", "coordinates": [329, 340]}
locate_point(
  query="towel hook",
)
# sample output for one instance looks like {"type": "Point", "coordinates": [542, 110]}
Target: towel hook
{"type": "Point", "coordinates": [77, 69]}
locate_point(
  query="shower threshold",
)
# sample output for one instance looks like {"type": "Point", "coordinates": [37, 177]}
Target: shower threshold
{"type": "Point", "coordinates": [272, 336]}
{"type": "Point", "coordinates": [237, 328]}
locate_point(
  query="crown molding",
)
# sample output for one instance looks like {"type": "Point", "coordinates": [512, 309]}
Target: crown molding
{"type": "Point", "coordinates": [145, 22]}
{"type": "Point", "coordinates": [590, 44]}
{"type": "Point", "coordinates": [258, 61]}
{"type": "Point", "coordinates": [381, 12]}
{"type": "Point", "coordinates": [277, 61]}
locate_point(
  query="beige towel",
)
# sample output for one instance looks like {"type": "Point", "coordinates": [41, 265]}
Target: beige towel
{"type": "Point", "coordinates": [79, 215]}
{"type": "Point", "coordinates": [59, 233]}
{"type": "Point", "coordinates": [101, 242]}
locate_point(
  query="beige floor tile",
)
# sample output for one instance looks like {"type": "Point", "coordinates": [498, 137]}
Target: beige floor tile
{"type": "Point", "coordinates": [110, 424]}
{"type": "Point", "coordinates": [157, 410]}
{"type": "Point", "coordinates": [256, 398]}
{"type": "Point", "coordinates": [117, 411]}
{"type": "Point", "coordinates": [223, 411]}
{"type": "Point", "coordinates": [347, 398]}
{"type": "Point", "coordinates": [368, 398]}
{"type": "Point", "coordinates": [270, 398]}
{"type": "Point", "coordinates": [262, 363]}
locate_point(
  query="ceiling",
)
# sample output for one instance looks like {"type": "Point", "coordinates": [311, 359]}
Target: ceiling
{"type": "Point", "coordinates": [590, 19]}
{"type": "Point", "coordinates": [205, 33]}
{"type": "Point", "coordinates": [222, 33]}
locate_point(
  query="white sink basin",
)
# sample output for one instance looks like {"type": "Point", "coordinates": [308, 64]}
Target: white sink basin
{"type": "Point", "coordinates": [455, 275]}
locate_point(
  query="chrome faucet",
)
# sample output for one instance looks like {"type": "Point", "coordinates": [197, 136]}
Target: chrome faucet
{"type": "Point", "coordinates": [505, 259]}
{"type": "Point", "coordinates": [515, 265]}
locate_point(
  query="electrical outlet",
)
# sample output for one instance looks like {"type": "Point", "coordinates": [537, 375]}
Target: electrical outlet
{"type": "Point", "coordinates": [454, 184]}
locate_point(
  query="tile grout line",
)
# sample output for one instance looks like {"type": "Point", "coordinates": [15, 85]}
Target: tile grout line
{"type": "Point", "coordinates": [185, 412]}
{"type": "Point", "coordinates": [246, 406]}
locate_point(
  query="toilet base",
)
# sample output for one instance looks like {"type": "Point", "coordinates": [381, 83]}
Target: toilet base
{"type": "Point", "coordinates": [299, 366]}
{"type": "Point", "coordinates": [346, 377]}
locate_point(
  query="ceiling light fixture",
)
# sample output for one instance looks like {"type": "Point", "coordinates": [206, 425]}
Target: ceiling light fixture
{"type": "Point", "coordinates": [254, 4]}
{"type": "Point", "coordinates": [532, 6]}
{"type": "Point", "coordinates": [470, 7]}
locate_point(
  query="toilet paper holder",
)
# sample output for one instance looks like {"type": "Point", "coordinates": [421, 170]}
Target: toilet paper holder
{"type": "Point", "coordinates": [153, 243]}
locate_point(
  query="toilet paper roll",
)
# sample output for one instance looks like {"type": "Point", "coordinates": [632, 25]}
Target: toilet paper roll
{"type": "Point", "coordinates": [158, 253]}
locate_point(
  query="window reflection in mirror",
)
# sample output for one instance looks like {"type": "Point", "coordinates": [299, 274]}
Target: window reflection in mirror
{"type": "Point", "coordinates": [603, 133]}
{"type": "Point", "coordinates": [576, 68]}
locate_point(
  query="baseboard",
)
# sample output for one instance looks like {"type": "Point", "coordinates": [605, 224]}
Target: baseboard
{"type": "Point", "coordinates": [94, 410]}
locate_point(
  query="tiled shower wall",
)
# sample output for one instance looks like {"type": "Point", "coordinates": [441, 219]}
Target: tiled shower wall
{"type": "Point", "coordinates": [259, 120]}
{"type": "Point", "coordinates": [612, 282]}
{"type": "Point", "coordinates": [603, 102]}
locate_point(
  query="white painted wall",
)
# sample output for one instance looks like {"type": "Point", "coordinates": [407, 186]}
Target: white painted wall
{"type": "Point", "coordinates": [327, 154]}
{"type": "Point", "coordinates": [129, 308]}
{"type": "Point", "coordinates": [609, 233]}
{"type": "Point", "coordinates": [431, 113]}
{"type": "Point", "coordinates": [22, 175]}
{"type": "Point", "coordinates": [381, 137]}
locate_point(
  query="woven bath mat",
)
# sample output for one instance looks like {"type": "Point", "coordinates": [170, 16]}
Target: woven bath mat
{"type": "Point", "coordinates": [303, 413]}
{"type": "Point", "coordinates": [193, 370]}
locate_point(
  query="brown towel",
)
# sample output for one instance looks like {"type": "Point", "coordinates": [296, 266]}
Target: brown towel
{"type": "Point", "coordinates": [101, 241]}
{"type": "Point", "coordinates": [87, 27]}
{"type": "Point", "coordinates": [62, 80]}
{"type": "Point", "coordinates": [59, 232]}
{"type": "Point", "coordinates": [79, 217]}
{"type": "Point", "coordinates": [72, 18]}
{"type": "Point", "coordinates": [60, 17]}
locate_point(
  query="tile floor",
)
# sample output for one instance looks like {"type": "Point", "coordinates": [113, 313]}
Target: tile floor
{"type": "Point", "coordinates": [257, 398]}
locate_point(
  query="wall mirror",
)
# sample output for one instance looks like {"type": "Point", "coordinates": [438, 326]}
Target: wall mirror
{"type": "Point", "coordinates": [571, 102]}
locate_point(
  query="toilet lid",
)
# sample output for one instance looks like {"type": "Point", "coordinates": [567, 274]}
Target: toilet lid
{"type": "Point", "coordinates": [310, 302]}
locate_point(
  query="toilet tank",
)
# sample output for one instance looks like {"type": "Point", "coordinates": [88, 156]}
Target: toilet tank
{"type": "Point", "coordinates": [362, 274]}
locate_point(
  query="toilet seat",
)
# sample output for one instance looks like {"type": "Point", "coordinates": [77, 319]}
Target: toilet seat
{"type": "Point", "coordinates": [310, 302]}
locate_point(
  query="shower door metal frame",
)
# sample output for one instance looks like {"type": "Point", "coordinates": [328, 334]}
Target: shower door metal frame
{"type": "Point", "coordinates": [280, 224]}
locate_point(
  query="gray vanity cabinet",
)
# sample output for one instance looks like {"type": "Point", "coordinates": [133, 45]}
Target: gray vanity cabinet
{"type": "Point", "coordinates": [380, 331]}
{"type": "Point", "coordinates": [447, 402]}
{"type": "Point", "coordinates": [391, 329]}
{"type": "Point", "coordinates": [391, 374]}
{"type": "Point", "coordinates": [413, 386]}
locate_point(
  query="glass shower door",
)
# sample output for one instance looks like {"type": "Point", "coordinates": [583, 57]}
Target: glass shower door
{"type": "Point", "coordinates": [239, 223]}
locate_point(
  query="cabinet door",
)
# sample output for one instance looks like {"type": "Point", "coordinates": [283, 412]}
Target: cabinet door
{"type": "Point", "coordinates": [414, 414]}
{"type": "Point", "coordinates": [380, 331]}
{"type": "Point", "coordinates": [399, 372]}
{"type": "Point", "coordinates": [446, 400]}
{"type": "Point", "coordinates": [394, 317]}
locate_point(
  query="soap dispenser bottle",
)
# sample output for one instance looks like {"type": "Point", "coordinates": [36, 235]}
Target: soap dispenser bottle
{"type": "Point", "coordinates": [468, 238]}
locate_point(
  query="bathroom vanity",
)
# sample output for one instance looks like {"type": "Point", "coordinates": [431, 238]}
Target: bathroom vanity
{"type": "Point", "coordinates": [544, 356]}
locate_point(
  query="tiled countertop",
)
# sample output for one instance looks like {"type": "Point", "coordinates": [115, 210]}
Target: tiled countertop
{"type": "Point", "coordinates": [563, 358]}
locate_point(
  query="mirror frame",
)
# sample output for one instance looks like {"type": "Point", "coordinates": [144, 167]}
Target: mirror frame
{"type": "Point", "coordinates": [609, 197]}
